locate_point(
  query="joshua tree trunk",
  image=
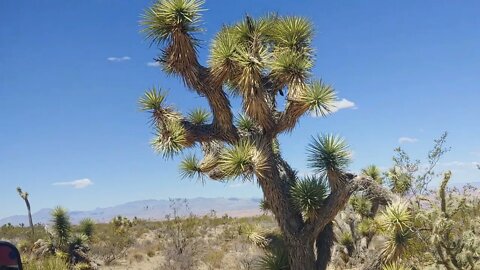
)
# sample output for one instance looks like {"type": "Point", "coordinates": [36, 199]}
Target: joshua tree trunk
{"type": "Point", "coordinates": [24, 196]}
{"type": "Point", "coordinates": [324, 245]}
{"type": "Point", "coordinates": [301, 255]}
{"type": "Point", "coordinates": [30, 221]}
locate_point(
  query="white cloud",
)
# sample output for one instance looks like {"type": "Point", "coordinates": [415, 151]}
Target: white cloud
{"type": "Point", "coordinates": [343, 104]}
{"type": "Point", "coordinates": [475, 153]}
{"type": "Point", "coordinates": [80, 183]}
{"type": "Point", "coordinates": [118, 59]}
{"type": "Point", "coordinates": [153, 64]}
{"type": "Point", "coordinates": [407, 140]}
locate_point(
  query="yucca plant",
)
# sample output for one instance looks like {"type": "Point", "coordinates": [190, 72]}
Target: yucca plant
{"type": "Point", "coordinates": [400, 181]}
{"type": "Point", "coordinates": [68, 245]}
{"type": "Point", "coordinates": [62, 227]}
{"type": "Point", "coordinates": [87, 227]}
{"type": "Point", "coordinates": [361, 205]}
{"type": "Point", "coordinates": [259, 60]}
{"type": "Point", "coordinates": [396, 223]}
{"type": "Point", "coordinates": [374, 172]}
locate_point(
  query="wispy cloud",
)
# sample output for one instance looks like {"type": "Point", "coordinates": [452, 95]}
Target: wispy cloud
{"type": "Point", "coordinates": [407, 140]}
{"type": "Point", "coordinates": [80, 183]}
{"type": "Point", "coordinates": [153, 64]}
{"type": "Point", "coordinates": [343, 104]}
{"type": "Point", "coordinates": [475, 153]}
{"type": "Point", "coordinates": [118, 59]}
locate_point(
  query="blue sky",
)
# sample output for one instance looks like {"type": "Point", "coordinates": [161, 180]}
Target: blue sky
{"type": "Point", "coordinates": [71, 73]}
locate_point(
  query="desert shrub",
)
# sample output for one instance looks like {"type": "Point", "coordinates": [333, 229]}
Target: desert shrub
{"type": "Point", "coordinates": [213, 258]}
{"type": "Point", "coordinates": [112, 241]}
{"type": "Point", "coordinates": [151, 253]}
{"type": "Point", "coordinates": [47, 263]}
{"type": "Point", "coordinates": [182, 242]}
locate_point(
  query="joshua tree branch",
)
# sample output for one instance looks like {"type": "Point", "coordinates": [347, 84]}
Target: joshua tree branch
{"type": "Point", "coordinates": [204, 133]}
{"type": "Point", "coordinates": [337, 200]}
{"type": "Point", "coordinates": [180, 57]}
{"type": "Point", "coordinates": [194, 133]}
{"type": "Point", "coordinates": [289, 118]}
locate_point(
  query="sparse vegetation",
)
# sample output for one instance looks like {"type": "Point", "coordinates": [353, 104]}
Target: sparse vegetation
{"type": "Point", "coordinates": [381, 218]}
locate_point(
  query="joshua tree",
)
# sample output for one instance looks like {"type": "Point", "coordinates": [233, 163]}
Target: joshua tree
{"type": "Point", "coordinates": [258, 60]}
{"type": "Point", "coordinates": [24, 196]}
{"type": "Point", "coordinates": [72, 246]}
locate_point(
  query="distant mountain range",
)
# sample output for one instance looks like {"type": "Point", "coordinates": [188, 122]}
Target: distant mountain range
{"type": "Point", "coordinates": [150, 209]}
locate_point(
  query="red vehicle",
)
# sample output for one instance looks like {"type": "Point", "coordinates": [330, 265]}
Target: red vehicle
{"type": "Point", "coordinates": [9, 257]}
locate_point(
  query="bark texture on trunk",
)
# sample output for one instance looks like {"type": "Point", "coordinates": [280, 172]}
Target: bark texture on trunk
{"type": "Point", "coordinates": [301, 255]}
{"type": "Point", "coordinates": [30, 220]}
{"type": "Point", "coordinates": [324, 245]}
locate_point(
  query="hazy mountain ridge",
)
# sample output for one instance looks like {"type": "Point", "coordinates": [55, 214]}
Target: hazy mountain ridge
{"type": "Point", "coordinates": [149, 209]}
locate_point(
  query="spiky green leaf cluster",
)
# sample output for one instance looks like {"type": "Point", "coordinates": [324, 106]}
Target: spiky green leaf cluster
{"type": "Point", "coordinates": [170, 139]}
{"type": "Point", "coordinates": [152, 100]}
{"type": "Point", "coordinates": [222, 56]}
{"type": "Point", "coordinates": [293, 34]}
{"type": "Point", "coordinates": [367, 227]}
{"type": "Point", "coordinates": [308, 194]}
{"type": "Point", "coordinates": [166, 17]}
{"type": "Point", "coordinates": [395, 266]}
{"type": "Point", "coordinates": [199, 116]}
{"type": "Point", "coordinates": [87, 227]}
{"type": "Point", "coordinates": [396, 216]}
{"type": "Point", "coordinates": [240, 53]}
{"type": "Point", "coordinates": [242, 159]}
{"type": "Point", "coordinates": [245, 123]}
{"type": "Point", "coordinates": [373, 172]}
{"type": "Point", "coordinates": [254, 233]}
{"type": "Point", "coordinates": [189, 167]}
{"type": "Point", "coordinates": [399, 181]}
{"type": "Point", "coordinates": [396, 224]}
{"type": "Point", "coordinates": [274, 260]}
{"type": "Point", "coordinates": [78, 240]}
{"type": "Point", "coordinates": [289, 68]}
{"type": "Point", "coordinates": [361, 205]}
{"type": "Point", "coordinates": [61, 225]}
{"type": "Point", "coordinates": [328, 153]}
{"type": "Point", "coordinates": [346, 239]}
{"type": "Point", "coordinates": [170, 134]}
{"type": "Point", "coordinates": [319, 98]}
